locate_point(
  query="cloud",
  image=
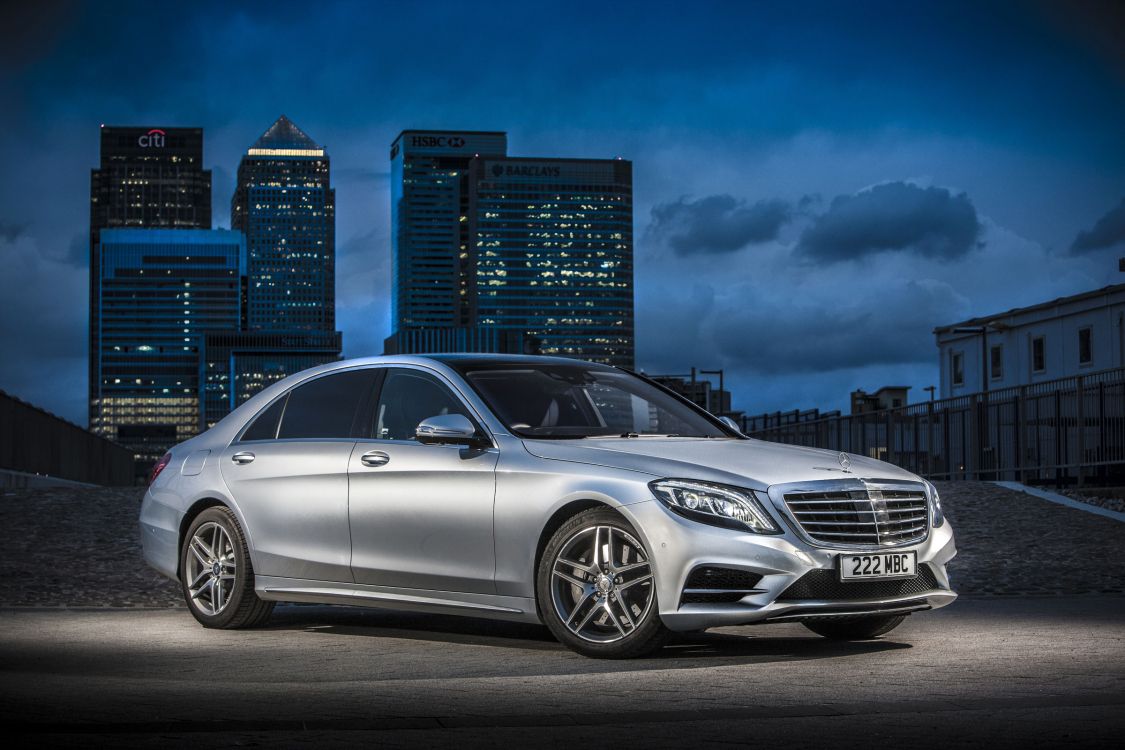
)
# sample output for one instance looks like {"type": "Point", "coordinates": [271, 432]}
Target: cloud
{"type": "Point", "coordinates": [1108, 231]}
{"type": "Point", "coordinates": [894, 327]}
{"type": "Point", "coordinates": [897, 216]}
{"type": "Point", "coordinates": [716, 224]}
{"type": "Point", "coordinates": [11, 231]}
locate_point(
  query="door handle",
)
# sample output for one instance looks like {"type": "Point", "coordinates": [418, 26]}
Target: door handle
{"type": "Point", "coordinates": [374, 458]}
{"type": "Point", "coordinates": [244, 457]}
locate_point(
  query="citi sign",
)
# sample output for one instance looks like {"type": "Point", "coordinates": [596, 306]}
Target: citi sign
{"type": "Point", "coordinates": [437, 141]}
{"type": "Point", "coordinates": [152, 139]}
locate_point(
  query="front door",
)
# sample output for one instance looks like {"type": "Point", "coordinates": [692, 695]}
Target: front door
{"type": "Point", "coordinates": [421, 515]}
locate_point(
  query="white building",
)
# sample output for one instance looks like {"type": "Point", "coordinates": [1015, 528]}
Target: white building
{"type": "Point", "coordinates": [1068, 336]}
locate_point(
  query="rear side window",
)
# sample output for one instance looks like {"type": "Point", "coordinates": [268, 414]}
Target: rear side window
{"type": "Point", "coordinates": [265, 426]}
{"type": "Point", "coordinates": [326, 407]}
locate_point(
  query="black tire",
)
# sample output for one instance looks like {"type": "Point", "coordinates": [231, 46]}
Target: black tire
{"type": "Point", "coordinates": [855, 628]}
{"type": "Point", "coordinates": [241, 606]}
{"type": "Point", "coordinates": [646, 634]}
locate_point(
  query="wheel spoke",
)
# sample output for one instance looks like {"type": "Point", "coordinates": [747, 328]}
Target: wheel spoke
{"type": "Point", "coordinates": [597, 547]}
{"type": "Point", "coordinates": [585, 620]}
{"type": "Point", "coordinates": [195, 581]}
{"type": "Point", "coordinates": [203, 589]}
{"type": "Point", "coordinates": [634, 582]}
{"type": "Point", "coordinates": [624, 606]}
{"type": "Point", "coordinates": [566, 563]}
{"type": "Point", "coordinates": [218, 598]}
{"type": "Point", "coordinates": [633, 566]}
{"type": "Point", "coordinates": [202, 551]}
{"type": "Point", "coordinates": [613, 618]}
{"type": "Point", "coordinates": [609, 547]}
{"type": "Point", "coordinates": [569, 578]}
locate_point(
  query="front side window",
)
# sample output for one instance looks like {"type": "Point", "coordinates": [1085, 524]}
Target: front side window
{"type": "Point", "coordinates": [1038, 354]}
{"type": "Point", "coordinates": [326, 407]}
{"type": "Point", "coordinates": [575, 401]}
{"type": "Point", "coordinates": [407, 398]}
{"type": "Point", "coordinates": [957, 368]}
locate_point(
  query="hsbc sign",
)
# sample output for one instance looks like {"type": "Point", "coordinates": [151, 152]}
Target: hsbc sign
{"type": "Point", "coordinates": [437, 141]}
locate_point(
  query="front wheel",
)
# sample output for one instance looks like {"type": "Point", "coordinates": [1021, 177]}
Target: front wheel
{"type": "Point", "coordinates": [854, 628]}
{"type": "Point", "coordinates": [216, 574]}
{"type": "Point", "coordinates": [596, 588]}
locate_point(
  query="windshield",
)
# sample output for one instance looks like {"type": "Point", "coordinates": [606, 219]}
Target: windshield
{"type": "Point", "coordinates": [574, 401]}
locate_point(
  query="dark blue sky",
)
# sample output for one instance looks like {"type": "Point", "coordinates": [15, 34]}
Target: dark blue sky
{"type": "Point", "coordinates": [817, 185]}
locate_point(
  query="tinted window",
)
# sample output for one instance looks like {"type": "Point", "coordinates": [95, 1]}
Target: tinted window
{"type": "Point", "coordinates": [1085, 347]}
{"type": "Point", "coordinates": [408, 397]}
{"type": "Point", "coordinates": [265, 426]}
{"type": "Point", "coordinates": [326, 407]}
{"type": "Point", "coordinates": [1038, 355]}
{"type": "Point", "coordinates": [573, 401]}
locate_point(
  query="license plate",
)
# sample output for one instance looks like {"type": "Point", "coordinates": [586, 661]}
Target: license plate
{"type": "Point", "coordinates": [878, 565]}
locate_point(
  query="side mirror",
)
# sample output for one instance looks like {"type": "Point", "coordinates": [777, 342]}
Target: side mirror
{"type": "Point", "coordinates": [731, 424]}
{"type": "Point", "coordinates": [453, 429]}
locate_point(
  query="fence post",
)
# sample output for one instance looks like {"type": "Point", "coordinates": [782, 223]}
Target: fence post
{"type": "Point", "coordinates": [1021, 425]}
{"type": "Point", "coordinates": [1080, 395]}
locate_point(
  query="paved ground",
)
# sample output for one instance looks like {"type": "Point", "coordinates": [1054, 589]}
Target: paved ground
{"type": "Point", "coordinates": [1032, 655]}
{"type": "Point", "coordinates": [1033, 673]}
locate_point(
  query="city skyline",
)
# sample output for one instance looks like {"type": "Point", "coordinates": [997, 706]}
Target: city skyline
{"type": "Point", "coordinates": [965, 162]}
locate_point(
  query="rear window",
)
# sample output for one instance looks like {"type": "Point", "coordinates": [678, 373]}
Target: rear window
{"type": "Point", "coordinates": [326, 407]}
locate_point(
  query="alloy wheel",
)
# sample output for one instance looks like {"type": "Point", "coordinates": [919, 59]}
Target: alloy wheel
{"type": "Point", "coordinates": [211, 568]}
{"type": "Point", "coordinates": [601, 584]}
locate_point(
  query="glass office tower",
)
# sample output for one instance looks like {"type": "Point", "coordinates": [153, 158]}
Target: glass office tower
{"type": "Point", "coordinates": [286, 207]}
{"type": "Point", "coordinates": [429, 240]}
{"type": "Point", "coordinates": [161, 291]}
{"type": "Point", "coordinates": [146, 177]}
{"type": "Point", "coordinates": [552, 254]}
{"type": "Point", "coordinates": [502, 254]}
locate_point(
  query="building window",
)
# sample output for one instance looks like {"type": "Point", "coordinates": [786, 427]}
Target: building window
{"type": "Point", "coordinates": [957, 368]}
{"type": "Point", "coordinates": [1038, 354]}
{"type": "Point", "coordinates": [1085, 346]}
{"type": "Point", "coordinates": [996, 362]}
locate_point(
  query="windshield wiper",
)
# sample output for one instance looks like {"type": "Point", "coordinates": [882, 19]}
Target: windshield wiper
{"type": "Point", "coordinates": [647, 435]}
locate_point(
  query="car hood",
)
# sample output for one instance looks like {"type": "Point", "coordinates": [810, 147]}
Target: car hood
{"type": "Point", "coordinates": [749, 463]}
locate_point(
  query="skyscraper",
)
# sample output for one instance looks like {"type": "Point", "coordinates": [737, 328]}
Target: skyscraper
{"type": "Point", "coordinates": [429, 240]}
{"type": "Point", "coordinates": [552, 254]}
{"type": "Point", "coordinates": [161, 292]}
{"type": "Point", "coordinates": [286, 207]}
{"type": "Point", "coordinates": [146, 177]}
{"type": "Point", "coordinates": [497, 253]}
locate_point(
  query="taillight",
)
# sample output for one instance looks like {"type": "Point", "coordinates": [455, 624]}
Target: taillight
{"type": "Point", "coordinates": [164, 460]}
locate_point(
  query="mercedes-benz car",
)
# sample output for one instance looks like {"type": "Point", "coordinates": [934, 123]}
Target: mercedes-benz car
{"type": "Point", "coordinates": [537, 489]}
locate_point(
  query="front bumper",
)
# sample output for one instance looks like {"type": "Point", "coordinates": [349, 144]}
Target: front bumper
{"type": "Point", "coordinates": [678, 546]}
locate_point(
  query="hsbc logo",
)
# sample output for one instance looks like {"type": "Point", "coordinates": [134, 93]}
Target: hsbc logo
{"type": "Point", "coordinates": [437, 141]}
{"type": "Point", "coordinates": [152, 139]}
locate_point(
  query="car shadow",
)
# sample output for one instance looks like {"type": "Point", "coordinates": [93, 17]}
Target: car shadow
{"type": "Point", "coordinates": [758, 644]}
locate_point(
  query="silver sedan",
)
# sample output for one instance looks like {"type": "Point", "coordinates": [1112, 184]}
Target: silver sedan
{"type": "Point", "coordinates": [535, 489]}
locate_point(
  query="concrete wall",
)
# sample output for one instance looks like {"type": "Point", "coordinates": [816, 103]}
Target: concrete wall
{"type": "Point", "coordinates": [35, 441]}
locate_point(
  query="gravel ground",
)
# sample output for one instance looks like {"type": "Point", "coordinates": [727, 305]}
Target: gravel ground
{"type": "Point", "coordinates": [1092, 497]}
{"type": "Point", "coordinates": [76, 547]}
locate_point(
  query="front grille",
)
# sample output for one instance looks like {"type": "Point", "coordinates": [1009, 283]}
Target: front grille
{"type": "Point", "coordinates": [825, 584]}
{"type": "Point", "coordinates": [871, 517]}
{"type": "Point", "coordinates": [711, 584]}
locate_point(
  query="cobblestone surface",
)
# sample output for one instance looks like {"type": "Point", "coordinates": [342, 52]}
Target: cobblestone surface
{"type": "Point", "coordinates": [79, 548]}
{"type": "Point", "coordinates": [1014, 544]}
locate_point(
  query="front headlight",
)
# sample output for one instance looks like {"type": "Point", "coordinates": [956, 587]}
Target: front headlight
{"type": "Point", "coordinates": [715, 504]}
{"type": "Point", "coordinates": [937, 517]}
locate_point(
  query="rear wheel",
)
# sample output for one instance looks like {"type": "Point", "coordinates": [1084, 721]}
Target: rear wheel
{"type": "Point", "coordinates": [596, 588]}
{"type": "Point", "coordinates": [216, 574]}
{"type": "Point", "coordinates": [854, 628]}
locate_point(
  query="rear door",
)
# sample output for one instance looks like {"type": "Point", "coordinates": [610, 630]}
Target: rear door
{"type": "Point", "coordinates": [421, 515]}
{"type": "Point", "coordinates": [288, 474]}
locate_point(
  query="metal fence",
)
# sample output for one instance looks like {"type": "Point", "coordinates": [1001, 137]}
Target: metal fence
{"type": "Point", "coordinates": [38, 442]}
{"type": "Point", "coordinates": [1066, 432]}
